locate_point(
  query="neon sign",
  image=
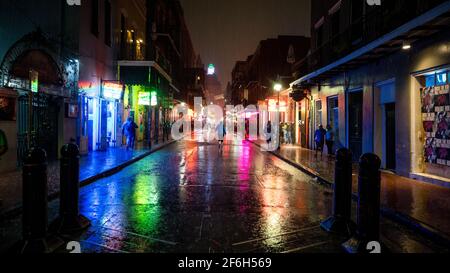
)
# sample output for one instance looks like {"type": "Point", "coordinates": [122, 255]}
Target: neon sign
{"type": "Point", "coordinates": [88, 89]}
{"type": "Point", "coordinates": [112, 90]}
{"type": "Point", "coordinates": [144, 98]}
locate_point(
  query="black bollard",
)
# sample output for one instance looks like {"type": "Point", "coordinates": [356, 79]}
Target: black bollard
{"type": "Point", "coordinates": [35, 206]}
{"type": "Point", "coordinates": [70, 221]}
{"type": "Point", "coordinates": [368, 213]}
{"type": "Point", "coordinates": [340, 223]}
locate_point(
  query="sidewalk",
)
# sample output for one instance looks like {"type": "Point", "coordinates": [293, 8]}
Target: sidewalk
{"type": "Point", "coordinates": [426, 204]}
{"type": "Point", "coordinates": [93, 166]}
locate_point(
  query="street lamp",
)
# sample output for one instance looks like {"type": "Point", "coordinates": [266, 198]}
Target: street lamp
{"type": "Point", "coordinates": [278, 87]}
{"type": "Point", "coordinates": [406, 45]}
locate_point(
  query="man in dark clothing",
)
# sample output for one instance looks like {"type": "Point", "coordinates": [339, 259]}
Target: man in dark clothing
{"type": "Point", "coordinates": [129, 131]}
{"type": "Point", "coordinates": [319, 138]}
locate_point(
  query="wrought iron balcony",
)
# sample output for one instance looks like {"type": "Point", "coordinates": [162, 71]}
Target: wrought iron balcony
{"type": "Point", "coordinates": [376, 23]}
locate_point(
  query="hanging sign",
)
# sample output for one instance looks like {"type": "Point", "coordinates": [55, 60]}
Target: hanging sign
{"type": "Point", "coordinates": [34, 81]}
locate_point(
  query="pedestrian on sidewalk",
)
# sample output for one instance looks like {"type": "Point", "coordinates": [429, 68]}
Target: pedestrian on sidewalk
{"type": "Point", "coordinates": [290, 128]}
{"type": "Point", "coordinates": [329, 139]}
{"type": "Point", "coordinates": [285, 128]}
{"type": "Point", "coordinates": [319, 138]}
{"type": "Point", "coordinates": [129, 131]}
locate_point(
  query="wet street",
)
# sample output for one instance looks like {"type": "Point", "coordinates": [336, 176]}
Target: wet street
{"type": "Point", "coordinates": [189, 197]}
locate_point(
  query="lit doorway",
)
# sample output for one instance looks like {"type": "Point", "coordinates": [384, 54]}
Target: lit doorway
{"type": "Point", "coordinates": [385, 124]}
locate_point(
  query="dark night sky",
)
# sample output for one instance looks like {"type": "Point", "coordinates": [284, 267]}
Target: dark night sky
{"type": "Point", "coordinates": [225, 31]}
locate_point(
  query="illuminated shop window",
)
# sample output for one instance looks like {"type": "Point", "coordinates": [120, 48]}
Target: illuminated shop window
{"type": "Point", "coordinates": [436, 79]}
{"type": "Point", "coordinates": [441, 78]}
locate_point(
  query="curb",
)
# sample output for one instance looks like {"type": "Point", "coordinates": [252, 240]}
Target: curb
{"type": "Point", "coordinates": [87, 181]}
{"type": "Point", "coordinates": [403, 219]}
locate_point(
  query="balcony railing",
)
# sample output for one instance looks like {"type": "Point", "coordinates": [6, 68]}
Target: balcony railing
{"type": "Point", "coordinates": [373, 25]}
{"type": "Point", "coordinates": [132, 52]}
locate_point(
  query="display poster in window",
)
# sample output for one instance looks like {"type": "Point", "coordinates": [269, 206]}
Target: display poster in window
{"type": "Point", "coordinates": [436, 124]}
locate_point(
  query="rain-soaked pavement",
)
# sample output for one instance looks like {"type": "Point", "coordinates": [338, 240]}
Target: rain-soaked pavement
{"type": "Point", "coordinates": [189, 197]}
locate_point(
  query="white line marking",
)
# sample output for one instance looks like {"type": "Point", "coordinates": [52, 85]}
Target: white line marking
{"type": "Point", "coordinates": [106, 247]}
{"type": "Point", "coordinates": [279, 235]}
{"type": "Point", "coordinates": [304, 247]}
{"type": "Point", "coordinates": [142, 236]}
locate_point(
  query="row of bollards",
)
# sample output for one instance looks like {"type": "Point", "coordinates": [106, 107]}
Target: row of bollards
{"type": "Point", "coordinates": [365, 234]}
{"type": "Point", "coordinates": [35, 228]}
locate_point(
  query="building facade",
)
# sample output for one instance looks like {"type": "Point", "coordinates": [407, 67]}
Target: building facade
{"type": "Point", "coordinates": [73, 73]}
{"type": "Point", "coordinates": [38, 77]}
{"type": "Point", "coordinates": [379, 76]}
{"type": "Point", "coordinates": [100, 95]}
{"type": "Point", "coordinates": [155, 54]}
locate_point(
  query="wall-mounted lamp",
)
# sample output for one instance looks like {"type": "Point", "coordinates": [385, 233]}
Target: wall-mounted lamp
{"type": "Point", "coordinates": [406, 45]}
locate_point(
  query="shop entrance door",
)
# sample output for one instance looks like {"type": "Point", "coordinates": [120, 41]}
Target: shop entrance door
{"type": "Point", "coordinates": [111, 127]}
{"type": "Point", "coordinates": [390, 136]}
{"type": "Point", "coordinates": [355, 104]}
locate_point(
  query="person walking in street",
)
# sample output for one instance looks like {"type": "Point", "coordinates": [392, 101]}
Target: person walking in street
{"type": "Point", "coordinates": [329, 139]}
{"type": "Point", "coordinates": [319, 138]}
{"type": "Point", "coordinates": [221, 132]}
{"type": "Point", "coordinates": [129, 131]}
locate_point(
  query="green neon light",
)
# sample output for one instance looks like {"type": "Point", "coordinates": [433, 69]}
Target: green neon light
{"type": "Point", "coordinates": [154, 98]}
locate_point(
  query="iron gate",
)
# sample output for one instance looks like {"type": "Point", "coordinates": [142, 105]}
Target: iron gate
{"type": "Point", "coordinates": [38, 127]}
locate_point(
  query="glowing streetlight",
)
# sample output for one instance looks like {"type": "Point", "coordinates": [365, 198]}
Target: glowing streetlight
{"type": "Point", "coordinates": [278, 87]}
{"type": "Point", "coordinates": [211, 69]}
